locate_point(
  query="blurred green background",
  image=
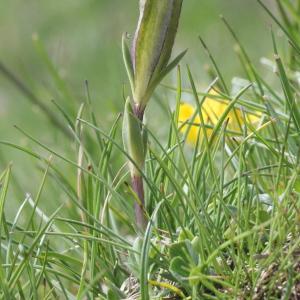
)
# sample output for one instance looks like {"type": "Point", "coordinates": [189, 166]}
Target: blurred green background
{"type": "Point", "coordinates": [83, 41]}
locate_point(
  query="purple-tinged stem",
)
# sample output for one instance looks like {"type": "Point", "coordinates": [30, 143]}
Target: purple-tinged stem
{"type": "Point", "coordinates": [138, 187]}
{"type": "Point", "coordinates": [137, 181]}
{"type": "Point", "coordinates": [138, 112]}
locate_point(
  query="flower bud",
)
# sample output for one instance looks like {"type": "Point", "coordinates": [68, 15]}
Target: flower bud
{"type": "Point", "coordinates": [152, 46]}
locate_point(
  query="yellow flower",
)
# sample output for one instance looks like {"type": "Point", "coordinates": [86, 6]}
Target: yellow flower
{"type": "Point", "coordinates": [212, 110]}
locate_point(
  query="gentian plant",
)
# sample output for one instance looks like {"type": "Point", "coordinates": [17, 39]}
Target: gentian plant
{"type": "Point", "coordinates": [147, 64]}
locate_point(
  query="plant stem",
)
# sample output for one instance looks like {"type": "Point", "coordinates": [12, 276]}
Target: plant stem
{"type": "Point", "coordinates": [139, 112]}
{"type": "Point", "coordinates": [138, 187]}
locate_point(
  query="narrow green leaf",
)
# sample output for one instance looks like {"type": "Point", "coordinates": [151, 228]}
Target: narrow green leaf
{"type": "Point", "coordinates": [128, 62]}
{"type": "Point", "coordinates": [132, 137]}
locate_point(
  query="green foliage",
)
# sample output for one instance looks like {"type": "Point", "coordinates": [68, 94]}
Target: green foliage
{"type": "Point", "coordinates": [223, 217]}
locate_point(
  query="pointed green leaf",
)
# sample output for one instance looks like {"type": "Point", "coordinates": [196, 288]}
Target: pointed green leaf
{"type": "Point", "coordinates": [132, 138]}
{"type": "Point", "coordinates": [156, 80]}
{"type": "Point", "coordinates": [128, 62]}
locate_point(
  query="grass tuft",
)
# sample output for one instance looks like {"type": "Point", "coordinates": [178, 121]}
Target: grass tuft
{"type": "Point", "coordinates": [223, 212]}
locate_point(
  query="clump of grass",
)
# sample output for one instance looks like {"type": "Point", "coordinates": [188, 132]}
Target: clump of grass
{"type": "Point", "coordinates": [223, 212]}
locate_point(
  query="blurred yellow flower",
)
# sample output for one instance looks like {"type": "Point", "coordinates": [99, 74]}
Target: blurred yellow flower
{"type": "Point", "coordinates": [212, 110]}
